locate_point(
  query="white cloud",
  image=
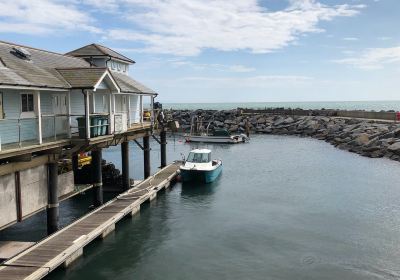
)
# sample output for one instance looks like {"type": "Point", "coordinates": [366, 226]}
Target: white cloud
{"type": "Point", "coordinates": [385, 38]}
{"type": "Point", "coordinates": [350, 39]}
{"type": "Point", "coordinates": [42, 16]}
{"type": "Point", "coordinates": [241, 68]}
{"type": "Point", "coordinates": [373, 58]}
{"type": "Point", "coordinates": [237, 68]}
{"type": "Point", "coordinates": [260, 81]}
{"type": "Point", "coordinates": [187, 27]}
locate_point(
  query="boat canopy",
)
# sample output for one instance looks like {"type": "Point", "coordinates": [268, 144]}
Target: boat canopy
{"type": "Point", "coordinates": [221, 132]}
{"type": "Point", "coordinates": [199, 156]}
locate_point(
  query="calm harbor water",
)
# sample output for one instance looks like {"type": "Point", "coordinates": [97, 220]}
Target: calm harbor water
{"type": "Point", "coordinates": [284, 208]}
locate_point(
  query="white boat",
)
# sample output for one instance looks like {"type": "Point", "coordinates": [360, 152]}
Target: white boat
{"type": "Point", "coordinates": [199, 166]}
{"type": "Point", "coordinates": [220, 135]}
{"type": "Point", "coordinates": [229, 139]}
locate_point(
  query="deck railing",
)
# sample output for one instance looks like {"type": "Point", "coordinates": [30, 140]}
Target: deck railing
{"type": "Point", "coordinates": [26, 131]}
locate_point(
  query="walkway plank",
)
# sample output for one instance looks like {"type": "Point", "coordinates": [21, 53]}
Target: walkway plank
{"type": "Point", "coordinates": [42, 258]}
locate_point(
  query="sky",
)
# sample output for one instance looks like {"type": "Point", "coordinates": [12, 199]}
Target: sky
{"type": "Point", "coordinates": [229, 50]}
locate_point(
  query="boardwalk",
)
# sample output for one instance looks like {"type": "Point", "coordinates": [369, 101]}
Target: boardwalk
{"type": "Point", "coordinates": [67, 244]}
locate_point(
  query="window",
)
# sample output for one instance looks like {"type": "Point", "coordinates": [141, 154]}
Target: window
{"type": "Point", "coordinates": [119, 66]}
{"type": "Point", "coordinates": [113, 65]}
{"type": "Point", "coordinates": [199, 158]}
{"type": "Point", "coordinates": [27, 104]}
{"type": "Point", "coordinates": [105, 104]}
{"type": "Point", "coordinates": [1, 106]}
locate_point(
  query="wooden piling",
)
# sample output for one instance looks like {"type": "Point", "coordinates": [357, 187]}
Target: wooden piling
{"type": "Point", "coordinates": [163, 140]}
{"type": "Point", "coordinates": [97, 177]}
{"type": "Point", "coordinates": [75, 164]}
{"type": "Point", "coordinates": [146, 156]}
{"type": "Point", "coordinates": [125, 165]}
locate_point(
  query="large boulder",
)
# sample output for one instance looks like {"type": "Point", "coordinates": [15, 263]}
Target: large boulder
{"type": "Point", "coordinates": [218, 123]}
{"type": "Point", "coordinates": [229, 122]}
{"type": "Point", "coordinates": [261, 121]}
{"type": "Point", "coordinates": [394, 148]}
{"type": "Point", "coordinates": [362, 139]}
{"type": "Point", "coordinates": [288, 120]}
{"type": "Point", "coordinates": [234, 128]}
{"type": "Point", "coordinates": [279, 121]}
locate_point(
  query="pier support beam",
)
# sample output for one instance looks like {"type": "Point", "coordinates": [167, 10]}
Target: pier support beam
{"type": "Point", "coordinates": [146, 156]}
{"type": "Point", "coordinates": [163, 138]}
{"type": "Point", "coordinates": [75, 164]}
{"type": "Point", "coordinates": [125, 166]}
{"type": "Point", "coordinates": [53, 204]}
{"type": "Point", "coordinates": [97, 178]}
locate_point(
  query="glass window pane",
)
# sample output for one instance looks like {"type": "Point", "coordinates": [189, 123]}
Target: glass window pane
{"type": "Point", "coordinates": [24, 102]}
{"type": "Point", "coordinates": [30, 103]}
{"type": "Point", "coordinates": [190, 157]}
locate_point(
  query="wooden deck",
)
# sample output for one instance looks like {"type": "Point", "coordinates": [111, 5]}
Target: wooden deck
{"type": "Point", "coordinates": [67, 244]}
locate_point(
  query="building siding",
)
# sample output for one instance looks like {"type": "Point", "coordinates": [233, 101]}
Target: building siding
{"type": "Point", "coordinates": [9, 130]}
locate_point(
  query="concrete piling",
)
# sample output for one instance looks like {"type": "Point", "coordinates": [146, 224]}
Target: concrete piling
{"type": "Point", "coordinates": [53, 204]}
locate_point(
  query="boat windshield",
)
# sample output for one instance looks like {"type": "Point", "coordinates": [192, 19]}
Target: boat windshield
{"type": "Point", "coordinates": [199, 157]}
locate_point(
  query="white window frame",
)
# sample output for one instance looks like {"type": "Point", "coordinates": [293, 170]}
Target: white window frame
{"type": "Point", "coordinates": [2, 114]}
{"type": "Point", "coordinates": [29, 114]}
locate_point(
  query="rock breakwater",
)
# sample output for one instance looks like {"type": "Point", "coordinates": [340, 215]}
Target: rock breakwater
{"type": "Point", "coordinates": [368, 138]}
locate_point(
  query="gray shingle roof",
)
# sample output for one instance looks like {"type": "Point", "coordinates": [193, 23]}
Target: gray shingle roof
{"type": "Point", "coordinates": [82, 77]}
{"type": "Point", "coordinates": [52, 70]}
{"type": "Point", "coordinates": [129, 85]}
{"type": "Point", "coordinates": [39, 71]}
{"type": "Point", "coordinates": [98, 50]}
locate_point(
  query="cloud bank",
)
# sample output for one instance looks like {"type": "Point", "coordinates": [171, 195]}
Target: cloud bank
{"type": "Point", "coordinates": [187, 27]}
{"type": "Point", "coordinates": [374, 58]}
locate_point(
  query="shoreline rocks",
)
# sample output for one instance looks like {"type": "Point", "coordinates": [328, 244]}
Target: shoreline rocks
{"type": "Point", "coordinates": [370, 138]}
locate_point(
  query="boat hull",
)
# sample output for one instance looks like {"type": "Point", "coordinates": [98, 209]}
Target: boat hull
{"type": "Point", "coordinates": [205, 176]}
{"type": "Point", "coordinates": [215, 139]}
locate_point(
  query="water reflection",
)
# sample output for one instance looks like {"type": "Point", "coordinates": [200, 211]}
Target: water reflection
{"type": "Point", "coordinates": [198, 189]}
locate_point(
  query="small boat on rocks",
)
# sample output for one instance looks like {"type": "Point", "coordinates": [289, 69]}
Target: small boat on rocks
{"type": "Point", "coordinates": [199, 166]}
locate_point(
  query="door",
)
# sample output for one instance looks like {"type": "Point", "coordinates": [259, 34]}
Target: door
{"type": "Point", "coordinates": [60, 110]}
{"type": "Point", "coordinates": [121, 116]}
{"type": "Point", "coordinates": [121, 103]}
{"type": "Point", "coordinates": [59, 104]}
{"type": "Point", "coordinates": [1, 106]}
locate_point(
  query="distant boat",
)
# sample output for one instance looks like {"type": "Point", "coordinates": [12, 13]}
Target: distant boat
{"type": "Point", "coordinates": [218, 135]}
{"type": "Point", "coordinates": [200, 166]}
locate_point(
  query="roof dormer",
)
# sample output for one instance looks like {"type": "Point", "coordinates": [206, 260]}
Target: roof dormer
{"type": "Point", "coordinates": [102, 56]}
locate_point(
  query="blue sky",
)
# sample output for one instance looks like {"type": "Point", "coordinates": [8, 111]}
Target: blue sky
{"type": "Point", "coordinates": [229, 51]}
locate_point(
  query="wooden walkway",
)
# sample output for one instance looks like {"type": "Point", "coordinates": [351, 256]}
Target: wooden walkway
{"type": "Point", "coordinates": [66, 245]}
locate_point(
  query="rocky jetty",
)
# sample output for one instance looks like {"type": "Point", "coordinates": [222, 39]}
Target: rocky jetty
{"type": "Point", "coordinates": [369, 138]}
